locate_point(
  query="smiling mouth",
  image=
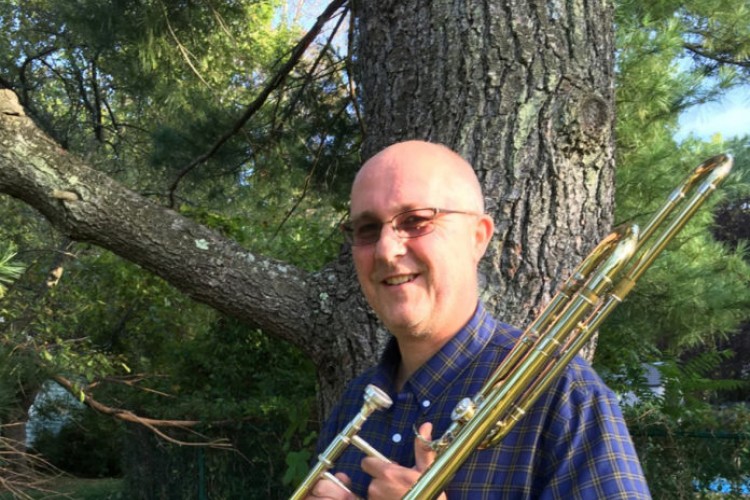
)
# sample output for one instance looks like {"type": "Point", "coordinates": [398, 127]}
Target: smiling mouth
{"type": "Point", "coordinates": [399, 280]}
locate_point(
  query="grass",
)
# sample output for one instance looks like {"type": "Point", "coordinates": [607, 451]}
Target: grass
{"type": "Point", "coordinates": [72, 488]}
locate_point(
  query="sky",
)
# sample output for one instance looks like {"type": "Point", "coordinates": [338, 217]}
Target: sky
{"type": "Point", "coordinates": [729, 117]}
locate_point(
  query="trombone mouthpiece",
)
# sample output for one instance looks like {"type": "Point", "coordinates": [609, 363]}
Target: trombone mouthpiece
{"type": "Point", "coordinates": [376, 399]}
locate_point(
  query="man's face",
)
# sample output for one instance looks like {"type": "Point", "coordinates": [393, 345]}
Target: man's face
{"type": "Point", "coordinates": [423, 286]}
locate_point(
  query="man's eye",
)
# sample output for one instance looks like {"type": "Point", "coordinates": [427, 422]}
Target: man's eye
{"type": "Point", "coordinates": [413, 222]}
{"type": "Point", "coordinates": [367, 229]}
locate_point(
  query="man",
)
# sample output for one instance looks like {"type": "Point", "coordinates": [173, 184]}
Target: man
{"type": "Point", "coordinates": [418, 230]}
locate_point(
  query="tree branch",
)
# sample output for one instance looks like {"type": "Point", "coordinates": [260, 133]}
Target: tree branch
{"type": "Point", "coordinates": [719, 58]}
{"type": "Point", "coordinates": [275, 82]}
{"type": "Point", "coordinates": [154, 425]}
{"type": "Point", "coordinates": [21, 471]}
{"type": "Point", "coordinates": [22, 72]}
{"type": "Point", "coordinates": [313, 68]}
{"type": "Point", "coordinates": [89, 206]}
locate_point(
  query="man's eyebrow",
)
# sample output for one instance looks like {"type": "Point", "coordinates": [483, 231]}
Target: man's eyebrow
{"type": "Point", "coordinates": [369, 214]}
{"type": "Point", "coordinates": [363, 215]}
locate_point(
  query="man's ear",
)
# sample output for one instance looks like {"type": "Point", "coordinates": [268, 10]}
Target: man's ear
{"type": "Point", "coordinates": [484, 230]}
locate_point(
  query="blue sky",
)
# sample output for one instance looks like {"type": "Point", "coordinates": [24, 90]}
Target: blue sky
{"type": "Point", "coordinates": [729, 117]}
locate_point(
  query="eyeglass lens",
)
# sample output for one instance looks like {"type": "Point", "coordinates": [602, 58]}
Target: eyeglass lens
{"type": "Point", "coordinates": [409, 224]}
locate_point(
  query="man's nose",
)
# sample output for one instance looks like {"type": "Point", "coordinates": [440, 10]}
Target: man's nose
{"type": "Point", "coordinates": [390, 243]}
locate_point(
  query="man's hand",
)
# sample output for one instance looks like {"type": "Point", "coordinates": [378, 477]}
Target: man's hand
{"type": "Point", "coordinates": [391, 481]}
{"type": "Point", "coordinates": [326, 488]}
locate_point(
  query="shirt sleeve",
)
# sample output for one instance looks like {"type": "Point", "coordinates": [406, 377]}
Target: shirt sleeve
{"type": "Point", "coordinates": [590, 452]}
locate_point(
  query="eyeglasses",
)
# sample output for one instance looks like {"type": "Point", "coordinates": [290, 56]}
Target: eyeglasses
{"type": "Point", "coordinates": [409, 224]}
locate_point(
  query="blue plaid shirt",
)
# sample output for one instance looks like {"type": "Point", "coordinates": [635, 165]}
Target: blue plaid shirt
{"type": "Point", "coordinates": [573, 443]}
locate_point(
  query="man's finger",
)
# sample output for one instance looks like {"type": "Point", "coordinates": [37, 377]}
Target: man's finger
{"type": "Point", "coordinates": [423, 454]}
{"type": "Point", "coordinates": [326, 488]}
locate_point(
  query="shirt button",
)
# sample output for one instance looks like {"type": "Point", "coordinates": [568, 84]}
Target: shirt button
{"type": "Point", "coordinates": [396, 438]}
{"type": "Point", "coordinates": [425, 403]}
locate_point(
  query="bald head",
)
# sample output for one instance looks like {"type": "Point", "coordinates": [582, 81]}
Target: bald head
{"type": "Point", "coordinates": [426, 166]}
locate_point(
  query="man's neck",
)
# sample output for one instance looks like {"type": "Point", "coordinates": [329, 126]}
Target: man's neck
{"type": "Point", "coordinates": [416, 348]}
{"type": "Point", "coordinates": [414, 354]}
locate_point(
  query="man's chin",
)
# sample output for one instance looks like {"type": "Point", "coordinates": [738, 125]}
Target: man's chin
{"type": "Point", "coordinates": [402, 317]}
{"type": "Point", "coordinates": [405, 328]}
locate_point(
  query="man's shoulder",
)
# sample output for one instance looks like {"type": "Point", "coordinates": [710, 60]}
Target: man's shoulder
{"type": "Point", "coordinates": [350, 401]}
{"type": "Point", "coordinates": [505, 336]}
{"type": "Point", "coordinates": [360, 381]}
{"type": "Point", "coordinates": [578, 375]}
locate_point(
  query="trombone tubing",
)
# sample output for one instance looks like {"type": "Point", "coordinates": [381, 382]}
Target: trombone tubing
{"type": "Point", "coordinates": [711, 172]}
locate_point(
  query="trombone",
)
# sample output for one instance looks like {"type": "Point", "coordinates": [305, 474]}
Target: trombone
{"type": "Point", "coordinates": [547, 345]}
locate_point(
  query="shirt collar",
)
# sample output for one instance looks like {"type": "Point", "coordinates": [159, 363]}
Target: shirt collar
{"type": "Point", "coordinates": [434, 377]}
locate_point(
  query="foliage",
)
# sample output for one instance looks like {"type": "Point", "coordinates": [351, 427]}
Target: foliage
{"type": "Point", "coordinates": [86, 445]}
{"type": "Point", "coordinates": [253, 470]}
{"type": "Point", "coordinates": [11, 374]}
{"type": "Point", "coordinates": [732, 223]}
{"type": "Point", "coordinates": [73, 487]}
{"type": "Point", "coordinates": [141, 89]}
{"type": "Point", "coordinates": [249, 390]}
{"type": "Point", "coordinates": [9, 269]}
{"type": "Point", "coordinates": [20, 373]}
{"type": "Point", "coordinates": [685, 310]}
{"type": "Point", "coordinates": [222, 366]}
{"type": "Point", "coordinates": [680, 457]}
{"type": "Point", "coordinates": [696, 293]}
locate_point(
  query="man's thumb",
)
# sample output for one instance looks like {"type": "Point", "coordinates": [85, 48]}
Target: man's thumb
{"type": "Point", "coordinates": [423, 454]}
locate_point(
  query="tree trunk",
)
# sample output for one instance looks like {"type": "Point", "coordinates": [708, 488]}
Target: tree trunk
{"type": "Point", "coordinates": [524, 91]}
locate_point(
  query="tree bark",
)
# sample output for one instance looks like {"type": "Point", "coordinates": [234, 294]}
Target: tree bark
{"type": "Point", "coordinates": [524, 91]}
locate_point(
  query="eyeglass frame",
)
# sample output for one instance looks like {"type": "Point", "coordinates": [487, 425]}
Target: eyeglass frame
{"type": "Point", "coordinates": [347, 227]}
